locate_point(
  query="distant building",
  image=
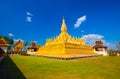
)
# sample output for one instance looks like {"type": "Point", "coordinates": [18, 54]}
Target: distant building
{"type": "Point", "coordinates": [3, 45]}
{"type": "Point", "coordinates": [100, 48]}
{"type": "Point", "coordinates": [3, 48]}
{"type": "Point", "coordinates": [32, 48]}
{"type": "Point", "coordinates": [18, 46]}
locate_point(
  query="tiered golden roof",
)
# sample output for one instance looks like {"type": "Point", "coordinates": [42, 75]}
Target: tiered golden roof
{"type": "Point", "coordinates": [64, 37]}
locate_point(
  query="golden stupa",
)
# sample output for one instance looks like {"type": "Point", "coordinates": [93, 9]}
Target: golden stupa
{"type": "Point", "coordinates": [64, 45]}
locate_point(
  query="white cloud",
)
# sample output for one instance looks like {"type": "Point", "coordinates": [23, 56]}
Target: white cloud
{"type": "Point", "coordinates": [91, 38]}
{"type": "Point", "coordinates": [29, 14]}
{"type": "Point", "coordinates": [79, 21]}
{"type": "Point", "coordinates": [34, 41]}
{"type": "Point", "coordinates": [28, 18]}
{"type": "Point", "coordinates": [110, 45]}
{"type": "Point", "coordinates": [15, 40]}
{"type": "Point", "coordinates": [10, 34]}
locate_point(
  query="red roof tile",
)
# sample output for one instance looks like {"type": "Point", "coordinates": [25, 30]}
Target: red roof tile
{"type": "Point", "coordinates": [3, 43]}
{"type": "Point", "coordinates": [99, 44]}
{"type": "Point", "coordinates": [33, 46]}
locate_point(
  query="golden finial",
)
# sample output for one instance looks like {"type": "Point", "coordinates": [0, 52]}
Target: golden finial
{"type": "Point", "coordinates": [63, 27]}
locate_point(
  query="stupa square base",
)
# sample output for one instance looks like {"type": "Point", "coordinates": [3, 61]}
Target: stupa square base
{"type": "Point", "coordinates": [69, 57]}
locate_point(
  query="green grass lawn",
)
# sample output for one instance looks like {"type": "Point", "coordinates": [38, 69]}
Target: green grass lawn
{"type": "Point", "coordinates": [31, 67]}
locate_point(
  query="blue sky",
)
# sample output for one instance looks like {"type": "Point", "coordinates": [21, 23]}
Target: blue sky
{"type": "Point", "coordinates": [36, 20]}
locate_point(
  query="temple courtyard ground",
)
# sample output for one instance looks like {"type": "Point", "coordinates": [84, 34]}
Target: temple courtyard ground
{"type": "Point", "coordinates": [31, 67]}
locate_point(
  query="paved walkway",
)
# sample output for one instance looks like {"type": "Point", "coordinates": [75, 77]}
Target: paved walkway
{"type": "Point", "coordinates": [3, 69]}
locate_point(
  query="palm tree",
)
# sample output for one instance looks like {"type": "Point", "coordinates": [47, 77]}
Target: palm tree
{"type": "Point", "coordinates": [39, 45]}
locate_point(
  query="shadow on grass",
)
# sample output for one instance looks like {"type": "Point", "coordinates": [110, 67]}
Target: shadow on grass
{"type": "Point", "coordinates": [13, 72]}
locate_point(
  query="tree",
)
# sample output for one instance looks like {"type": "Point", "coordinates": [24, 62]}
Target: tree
{"type": "Point", "coordinates": [25, 44]}
{"type": "Point", "coordinates": [118, 45]}
{"type": "Point", "coordinates": [39, 45]}
{"type": "Point", "coordinates": [9, 41]}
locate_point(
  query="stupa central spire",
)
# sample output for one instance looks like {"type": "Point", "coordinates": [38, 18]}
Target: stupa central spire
{"type": "Point", "coordinates": [63, 27]}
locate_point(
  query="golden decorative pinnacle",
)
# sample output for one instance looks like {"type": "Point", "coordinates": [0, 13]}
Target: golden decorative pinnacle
{"type": "Point", "coordinates": [63, 27]}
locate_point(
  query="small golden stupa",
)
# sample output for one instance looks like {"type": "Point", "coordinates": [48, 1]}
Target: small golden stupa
{"type": "Point", "coordinates": [64, 45]}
